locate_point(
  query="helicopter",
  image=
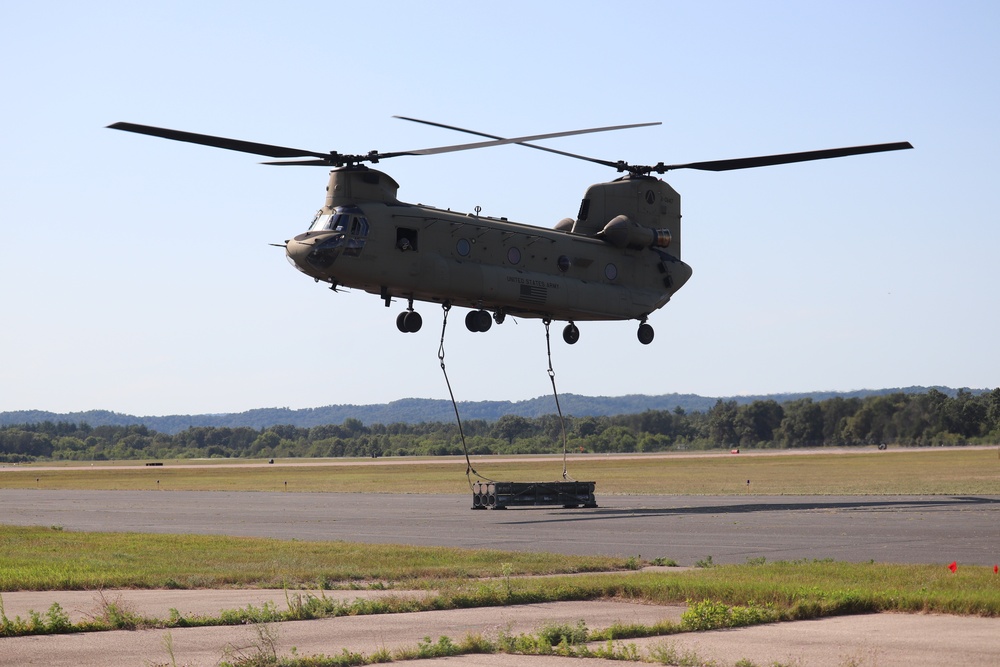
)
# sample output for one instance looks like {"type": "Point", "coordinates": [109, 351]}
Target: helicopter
{"type": "Point", "coordinates": [619, 259]}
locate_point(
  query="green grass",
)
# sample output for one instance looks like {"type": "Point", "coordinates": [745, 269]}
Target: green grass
{"type": "Point", "coordinates": [720, 596]}
{"type": "Point", "coordinates": [53, 559]}
{"type": "Point", "coordinates": [912, 472]}
{"type": "Point", "coordinates": [808, 589]}
{"type": "Point", "coordinates": [47, 559]}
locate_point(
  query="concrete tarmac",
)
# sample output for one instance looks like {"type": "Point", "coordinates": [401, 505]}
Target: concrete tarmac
{"type": "Point", "coordinates": [359, 634]}
{"type": "Point", "coordinates": [81, 606]}
{"type": "Point", "coordinates": [730, 529]}
{"type": "Point", "coordinates": [878, 640]}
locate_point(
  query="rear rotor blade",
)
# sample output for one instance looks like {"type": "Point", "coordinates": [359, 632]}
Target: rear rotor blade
{"type": "Point", "coordinates": [605, 163]}
{"type": "Point", "coordinates": [786, 158]}
{"type": "Point", "coordinates": [218, 142]}
{"type": "Point", "coordinates": [714, 165]}
{"type": "Point", "coordinates": [515, 140]}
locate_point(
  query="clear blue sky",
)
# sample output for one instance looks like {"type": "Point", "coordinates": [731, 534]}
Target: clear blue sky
{"type": "Point", "coordinates": [136, 276]}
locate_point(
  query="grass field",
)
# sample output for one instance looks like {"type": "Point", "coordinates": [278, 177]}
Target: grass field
{"type": "Point", "coordinates": [39, 558]}
{"type": "Point", "coordinates": [916, 471]}
{"type": "Point", "coordinates": [53, 559]}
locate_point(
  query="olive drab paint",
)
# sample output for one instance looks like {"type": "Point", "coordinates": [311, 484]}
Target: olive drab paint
{"type": "Point", "coordinates": [469, 260]}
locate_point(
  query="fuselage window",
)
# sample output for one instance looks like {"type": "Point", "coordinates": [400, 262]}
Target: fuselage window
{"type": "Point", "coordinates": [406, 239]}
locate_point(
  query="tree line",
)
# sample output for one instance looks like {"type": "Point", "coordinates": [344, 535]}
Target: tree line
{"type": "Point", "coordinates": [926, 419]}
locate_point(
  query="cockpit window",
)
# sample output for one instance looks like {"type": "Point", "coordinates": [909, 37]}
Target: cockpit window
{"type": "Point", "coordinates": [340, 222]}
{"type": "Point", "coordinates": [320, 223]}
{"type": "Point", "coordinates": [349, 220]}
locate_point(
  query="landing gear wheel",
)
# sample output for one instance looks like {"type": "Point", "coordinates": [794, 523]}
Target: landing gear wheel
{"type": "Point", "coordinates": [478, 321]}
{"type": "Point", "coordinates": [409, 321]}
{"type": "Point", "coordinates": [571, 333]}
{"type": "Point", "coordinates": [412, 321]}
{"type": "Point", "coordinates": [645, 334]}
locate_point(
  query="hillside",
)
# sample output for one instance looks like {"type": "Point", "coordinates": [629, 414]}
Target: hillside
{"type": "Point", "coordinates": [415, 410]}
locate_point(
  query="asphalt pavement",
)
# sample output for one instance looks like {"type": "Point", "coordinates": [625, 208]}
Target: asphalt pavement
{"type": "Point", "coordinates": [730, 529]}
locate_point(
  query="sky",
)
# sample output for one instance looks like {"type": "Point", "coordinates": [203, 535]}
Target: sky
{"type": "Point", "coordinates": [136, 273]}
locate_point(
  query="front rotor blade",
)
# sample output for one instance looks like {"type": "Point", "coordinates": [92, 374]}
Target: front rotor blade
{"type": "Point", "coordinates": [786, 158]}
{"type": "Point", "coordinates": [327, 162]}
{"type": "Point", "coordinates": [218, 142]}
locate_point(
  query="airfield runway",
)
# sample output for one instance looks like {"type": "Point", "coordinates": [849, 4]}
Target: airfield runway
{"type": "Point", "coordinates": [730, 529]}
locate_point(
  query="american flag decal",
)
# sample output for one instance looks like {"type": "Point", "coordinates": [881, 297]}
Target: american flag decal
{"type": "Point", "coordinates": [533, 294]}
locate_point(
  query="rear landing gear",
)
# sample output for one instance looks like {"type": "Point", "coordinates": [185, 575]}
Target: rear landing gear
{"type": "Point", "coordinates": [645, 333]}
{"type": "Point", "coordinates": [571, 333]}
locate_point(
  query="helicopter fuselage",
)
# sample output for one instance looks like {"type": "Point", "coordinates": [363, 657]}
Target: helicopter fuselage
{"type": "Point", "coordinates": [365, 238]}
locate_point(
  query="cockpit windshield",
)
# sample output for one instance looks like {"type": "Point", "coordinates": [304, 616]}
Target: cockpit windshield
{"type": "Point", "coordinates": [346, 219]}
{"type": "Point", "coordinates": [320, 223]}
{"type": "Point", "coordinates": [352, 227]}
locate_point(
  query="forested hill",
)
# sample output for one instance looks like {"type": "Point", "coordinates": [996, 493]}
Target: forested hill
{"type": "Point", "coordinates": [416, 410]}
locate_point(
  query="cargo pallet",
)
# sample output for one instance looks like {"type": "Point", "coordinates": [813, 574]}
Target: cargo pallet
{"type": "Point", "coordinates": [501, 495]}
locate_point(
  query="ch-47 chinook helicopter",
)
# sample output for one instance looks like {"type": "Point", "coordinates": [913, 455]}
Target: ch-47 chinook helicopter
{"type": "Point", "coordinates": [620, 259]}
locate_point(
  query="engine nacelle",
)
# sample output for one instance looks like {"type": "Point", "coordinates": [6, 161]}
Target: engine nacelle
{"type": "Point", "coordinates": [622, 232]}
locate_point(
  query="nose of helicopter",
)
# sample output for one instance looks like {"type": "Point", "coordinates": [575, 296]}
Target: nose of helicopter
{"type": "Point", "coordinates": [313, 253]}
{"type": "Point", "coordinates": [296, 252]}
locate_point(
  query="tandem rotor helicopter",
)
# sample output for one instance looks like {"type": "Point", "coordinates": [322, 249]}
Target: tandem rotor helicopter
{"type": "Point", "coordinates": [620, 259]}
